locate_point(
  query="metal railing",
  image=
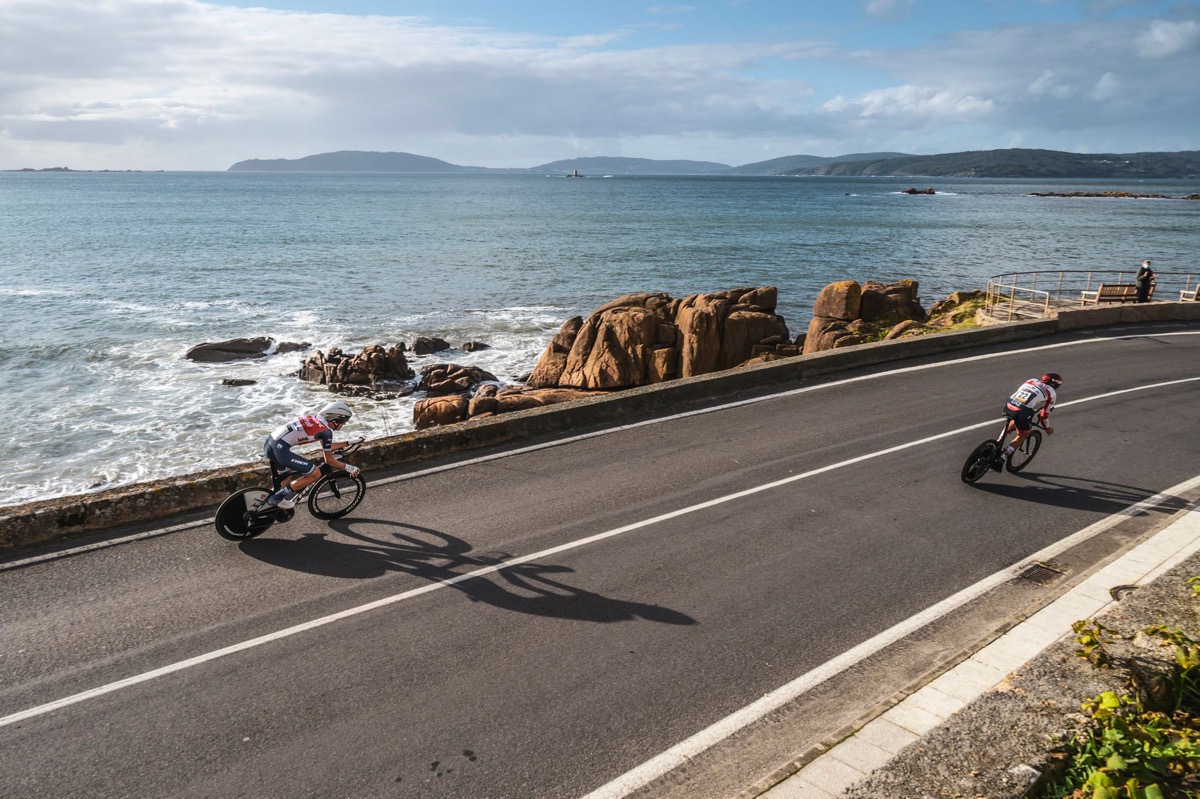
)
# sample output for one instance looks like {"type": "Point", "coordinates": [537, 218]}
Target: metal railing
{"type": "Point", "coordinates": [1031, 295]}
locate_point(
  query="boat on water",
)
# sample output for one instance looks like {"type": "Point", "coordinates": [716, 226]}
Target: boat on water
{"type": "Point", "coordinates": [574, 174]}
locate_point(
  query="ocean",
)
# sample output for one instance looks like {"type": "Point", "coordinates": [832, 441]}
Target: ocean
{"type": "Point", "coordinates": [108, 278]}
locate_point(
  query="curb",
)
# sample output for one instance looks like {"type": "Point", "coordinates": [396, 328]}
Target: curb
{"type": "Point", "coordinates": [50, 520]}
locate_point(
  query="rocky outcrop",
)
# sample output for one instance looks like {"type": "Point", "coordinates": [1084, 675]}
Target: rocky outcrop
{"type": "Point", "coordinates": [452, 378]}
{"type": "Point", "coordinates": [640, 339]}
{"type": "Point", "coordinates": [1124, 195]}
{"type": "Point", "coordinates": [376, 368]}
{"type": "Point", "coordinates": [488, 400]}
{"type": "Point", "coordinates": [847, 313]}
{"type": "Point", "coordinates": [240, 349]}
{"type": "Point", "coordinates": [913, 190]}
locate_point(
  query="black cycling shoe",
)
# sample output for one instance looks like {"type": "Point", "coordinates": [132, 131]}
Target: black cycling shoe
{"type": "Point", "coordinates": [998, 465]}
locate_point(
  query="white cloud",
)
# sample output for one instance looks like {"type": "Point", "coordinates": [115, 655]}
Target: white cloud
{"type": "Point", "coordinates": [1164, 39]}
{"type": "Point", "coordinates": [888, 9]}
{"type": "Point", "coordinates": [1048, 84]}
{"type": "Point", "coordinates": [922, 103]}
{"type": "Point", "coordinates": [1107, 88]}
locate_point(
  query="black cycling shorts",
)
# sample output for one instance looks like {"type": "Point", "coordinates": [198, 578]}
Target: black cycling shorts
{"type": "Point", "coordinates": [1021, 415]}
{"type": "Point", "coordinates": [282, 456]}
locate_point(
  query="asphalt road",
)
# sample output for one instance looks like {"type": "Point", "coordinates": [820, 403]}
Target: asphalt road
{"type": "Point", "coordinates": [668, 574]}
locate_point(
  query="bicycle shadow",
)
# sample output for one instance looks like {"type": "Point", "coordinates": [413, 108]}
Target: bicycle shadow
{"type": "Point", "coordinates": [1078, 493]}
{"type": "Point", "coordinates": [438, 557]}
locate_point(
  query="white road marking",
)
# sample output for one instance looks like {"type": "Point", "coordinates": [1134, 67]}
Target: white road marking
{"type": "Point", "coordinates": [742, 717]}
{"type": "Point", "coordinates": [608, 431]}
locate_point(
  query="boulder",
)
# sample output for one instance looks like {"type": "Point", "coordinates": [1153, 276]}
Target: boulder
{"type": "Point", "coordinates": [427, 345]}
{"type": "Point", "coordinates": [452, 378]}
{"type": "Point", "coordinates": [238, 349]}
{"type": "Point", "coordinates": [435, 411]}
{"type": "Point", "coordinates": [841, 300]}
{"type": "Point", "coordinates": [550, 366]}
{"type": "Point", "coordinates": [475, 346]}
{"type": "Point", "coordinates": [846, 313]}
{"type": "Point", "coordinates": [519, 399]}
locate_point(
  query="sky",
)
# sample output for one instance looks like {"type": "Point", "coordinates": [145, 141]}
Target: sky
{"type": "Point", "coordinates": [191, 85]}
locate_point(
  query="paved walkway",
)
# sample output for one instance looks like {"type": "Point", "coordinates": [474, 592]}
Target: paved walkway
{"type": "Point", "coordinates": [873, 746]}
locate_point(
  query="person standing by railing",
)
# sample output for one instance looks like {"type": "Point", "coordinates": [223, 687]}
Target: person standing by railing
{"type": "Point", "coordinates": [1143, 281]}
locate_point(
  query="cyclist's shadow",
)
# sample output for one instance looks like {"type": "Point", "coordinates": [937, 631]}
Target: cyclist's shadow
{"type": "Point", "coordinates": [1079, 493]}
{"type": "Point", "coordinates": [438, 557]}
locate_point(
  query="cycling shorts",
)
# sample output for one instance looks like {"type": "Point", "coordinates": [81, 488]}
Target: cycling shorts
{"type": "Point", "coordinates": [282, 456]}
{"type": "Point", "coordinates": [1021, 415]}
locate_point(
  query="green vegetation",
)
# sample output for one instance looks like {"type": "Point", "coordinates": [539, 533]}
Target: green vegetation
{"type": "Point", "coordinates": [1142, 745]}
{"type": "Point", "coordinates": [1021, 163]}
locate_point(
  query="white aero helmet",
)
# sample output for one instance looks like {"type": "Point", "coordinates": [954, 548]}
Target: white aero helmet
{"type": "Point", "coordinates": [337, 412]}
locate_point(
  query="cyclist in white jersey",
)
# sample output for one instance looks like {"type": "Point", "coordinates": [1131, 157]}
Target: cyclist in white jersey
{"type": "Point", "coordinates": [318, 427]}
{"type": "Point", "coordinates": [1035, 395]}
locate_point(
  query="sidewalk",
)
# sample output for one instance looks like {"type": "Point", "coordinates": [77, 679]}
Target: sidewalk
{"type": "Point", "coordinates": [878, 760]}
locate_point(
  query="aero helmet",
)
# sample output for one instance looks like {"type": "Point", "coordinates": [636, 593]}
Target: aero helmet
{"type": "Point", "coordinates": [1053, 378]}
{"type": "Point", "coordinates": [337, 412]}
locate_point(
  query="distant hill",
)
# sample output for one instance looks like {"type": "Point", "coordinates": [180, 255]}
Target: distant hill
{"type": "Point", "coordinates": [786, 165]}
{"type": "Point", "coordinates": [1012, 163]}
{"type": "Point", "coordinates": [1019, 163]}
{"type": "Point", "coordinates": [352, 161]}
{"type": "Point", "coordinates": [632, 166]}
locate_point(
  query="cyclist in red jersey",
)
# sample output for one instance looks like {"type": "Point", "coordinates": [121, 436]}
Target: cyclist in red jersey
{"type": "Point", "coordinates": [1036, 395]}
{"type": "Point", "coordinates": [318, 427]}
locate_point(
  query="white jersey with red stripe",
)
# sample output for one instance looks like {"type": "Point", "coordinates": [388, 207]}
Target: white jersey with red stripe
{"type": "Point", "coordinates": [1035, 395]}
{"type": "Point", "coordinates": [305, 430]}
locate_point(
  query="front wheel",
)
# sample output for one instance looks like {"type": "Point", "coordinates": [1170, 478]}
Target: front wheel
{"type": "Point", "coordinates": [1023, 454]}
{"type": "Point", "coordinates": [980, 461]}
{"type": "Point", "coordinates": [335, 495]}
{"type": "Point", "coordinates": [242, 515]}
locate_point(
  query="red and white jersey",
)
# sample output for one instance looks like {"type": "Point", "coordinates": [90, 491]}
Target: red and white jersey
{"type": "Point", "coordinates": [305, 430]}
{"type": "Point", "coordinates": [1035, 395]}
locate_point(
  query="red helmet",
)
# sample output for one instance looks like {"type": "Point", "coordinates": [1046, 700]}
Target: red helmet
{"type": "Point", "coordinates": [1053, 378]}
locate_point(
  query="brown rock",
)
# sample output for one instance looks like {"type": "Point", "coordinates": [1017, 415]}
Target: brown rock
{"type": "Point", "coordinates": [612, 349]}
{"type": "Point", "coordinates": [452, 378]}
{"type": "Point", "coordinates": [519, 399]}
{"type": "Point", "coordinates": [435, 411]}
{"type": "Point", "coordinates": [237, 349]}
{"type": "Point", "coordinates": [638, 339]}
{"type": "Point", "coordinates": [841, 300]}
{"type": "Point", "coordinates": [426, 345]}
{"type": "Point", "coordinates": [743, 330]}
{"type": "Point", "coordinates": [376, 365]}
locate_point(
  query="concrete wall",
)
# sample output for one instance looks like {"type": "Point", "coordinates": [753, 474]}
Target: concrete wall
{"type": "Point", "coordinates": [40, 522]}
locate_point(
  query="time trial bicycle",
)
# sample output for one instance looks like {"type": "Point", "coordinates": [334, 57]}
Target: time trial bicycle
{"type": "Point", "coordinates": [245, 514]}
{"type": "Point", "coordinates": [980, 461]}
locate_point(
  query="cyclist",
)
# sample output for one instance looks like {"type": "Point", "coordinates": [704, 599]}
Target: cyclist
{"type": "Point", "coordinates": [319, 427]}
{"type": "Point", "coordinates": [1035, 395]}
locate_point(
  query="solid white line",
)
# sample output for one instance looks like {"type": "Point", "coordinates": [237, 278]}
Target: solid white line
{"type": "Point", "coordinates": [355, 611]}
{"type": "Point", "coordinates": [609, 431]}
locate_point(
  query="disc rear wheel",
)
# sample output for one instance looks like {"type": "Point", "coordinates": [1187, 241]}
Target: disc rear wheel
{"type": "Point", "coordinates": [241, 516]}
{"type": "Point", "coordinates": [980, 461]}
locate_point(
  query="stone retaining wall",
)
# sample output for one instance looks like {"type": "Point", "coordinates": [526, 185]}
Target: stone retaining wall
{"type": "Point", "coordinates": [49, 520]}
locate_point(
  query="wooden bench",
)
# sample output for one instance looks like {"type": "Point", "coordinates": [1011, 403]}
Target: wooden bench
{"type": "Point", "coordinates": [1189, 296]}
{"type": "Point", "coordinates": [1112, 292]}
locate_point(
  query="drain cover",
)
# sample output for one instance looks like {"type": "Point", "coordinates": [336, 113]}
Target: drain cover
{"type": "Point", "coordinates": [1042, 573]}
